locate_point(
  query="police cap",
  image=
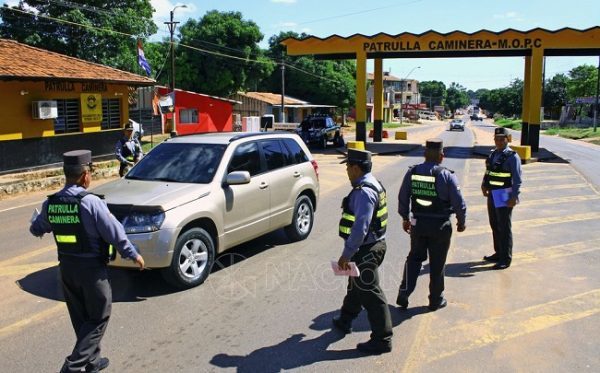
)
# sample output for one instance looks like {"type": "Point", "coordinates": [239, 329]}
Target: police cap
{"type": "Point", "coordinates": [500, 131]}
{"type": "Point", "coordinates": [434, 144]}
{"type": "Point", "coordinates": [128, 126]}
{"type": "Point", "coordinates": [358, 157]}
{"type": "Point", "coordinates": [77, 157]}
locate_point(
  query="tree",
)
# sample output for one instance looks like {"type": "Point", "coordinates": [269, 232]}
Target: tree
{"type": "Point", "coordinates": [456, 97]}
{"type": "Point", "coordinates": [432, 93]}
{"type": "Point", "coordinates": [555, 94]}
{"type": "Point", "coordinates": [203, 68]}
{"type": "Point", "coordinates": [93, 41]}
{"type": "Point", "coordinates": [582, 82]}
{"type": "Point", "coordinates": [316, 81]}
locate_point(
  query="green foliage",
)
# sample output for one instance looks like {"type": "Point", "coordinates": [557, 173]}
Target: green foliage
{"type": "Point", "coordinates": [573, 133]}
{"type": "Point", "coordinates": [224, 33]}
{"type": "Point", "coordinates": [96, 43]}
{"type": "Point", "coordinates": [317, 81]}
{"type": "Point", "coordinates": [506, 100]}
{"type": "Point", "coordinates": [515, 124]}
{"type": "Point", "coordinates": [456, 97]}
{"type": "Point", "coordinates": [582, 82]}
{"type": "Point", "coordinates": [432, 93]}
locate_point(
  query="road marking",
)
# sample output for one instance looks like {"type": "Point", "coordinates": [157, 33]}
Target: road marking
{"type": "Point", "coordinates": [34, 319]}
{"type": "Point", "coordinates": [481, 333]}
{"type": "Point", "coordinates": [25, 269]}
{"type": "Point", "coordinates": [539, 202]}
{"type": "Point", "coordinates": [532, 223]}
{"type": "Point", "coordinates": [21, 206]}
{"type": "Point", "coordinates": [555, 252]}
{"type": "Point", "coordinates": [27, 256]}
{"type": "Point", "coordinates": [538, 188]}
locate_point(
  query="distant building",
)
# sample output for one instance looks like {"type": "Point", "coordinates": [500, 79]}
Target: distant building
{"type": "Point", "coordinates": [52, 103]}
{"type": "Point", "coordinates": [257, 104]}
{"type": "Point", "coordinates": [396, 92]}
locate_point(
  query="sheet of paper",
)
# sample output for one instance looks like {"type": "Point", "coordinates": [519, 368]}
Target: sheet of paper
{"type": "Point", "coordinates": [352, 272]}
{"type": "Point", "coordinates": [34, 216]}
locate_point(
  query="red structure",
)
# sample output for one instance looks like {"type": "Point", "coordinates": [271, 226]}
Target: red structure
{"type": "Point", "coordinates": [198, 113]}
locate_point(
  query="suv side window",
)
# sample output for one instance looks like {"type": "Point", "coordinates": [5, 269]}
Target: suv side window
{"type": "Point", "coordinates": [295, 153]}
{"type": "Point", "coordinates": [274, 154]}
{"type": "Point", "coordinates": [246, 158]}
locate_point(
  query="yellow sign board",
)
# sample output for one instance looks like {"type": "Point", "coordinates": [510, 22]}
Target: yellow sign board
{"type": "Point", "coordinates": [91, 108]}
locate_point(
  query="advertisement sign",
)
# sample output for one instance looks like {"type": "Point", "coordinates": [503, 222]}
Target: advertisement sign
{"type": "Point", "coordinates": [91, 108]}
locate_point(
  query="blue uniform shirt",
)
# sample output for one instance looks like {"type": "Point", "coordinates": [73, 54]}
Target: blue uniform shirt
{"type": "Point", "coordinates": [99, 224]}
{"type": "Point", "coordinates": [134, 147]}
{"type": "Point", "coordinates": [446, 185]}
{"type": "Point", "coordinates": [512, 164]}
{"type": "Point", "coordinates": [362, 202]}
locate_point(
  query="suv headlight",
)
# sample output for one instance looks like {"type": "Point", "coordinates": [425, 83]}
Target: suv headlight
{"type": "Point", "coordinates": [143, 221]}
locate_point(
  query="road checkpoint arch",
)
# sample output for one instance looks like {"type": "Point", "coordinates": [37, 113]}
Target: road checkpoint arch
{"type": "Point", "coordinates": [534, 45]}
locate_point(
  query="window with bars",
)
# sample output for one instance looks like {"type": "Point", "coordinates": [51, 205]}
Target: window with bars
{"type": "Point", "coordinates": [111, 113]}
{"type": "Point", "coordinates": [67, 120]}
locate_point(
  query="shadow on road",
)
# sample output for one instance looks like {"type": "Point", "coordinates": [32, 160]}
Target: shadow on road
{"type": "Point", "coordinates": [131, 285]}
{"type": "Point", "coordinates": [467, 269]}
{"type": "Point", "coordinates": [297, 352]}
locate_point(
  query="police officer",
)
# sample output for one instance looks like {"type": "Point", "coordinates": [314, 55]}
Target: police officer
{"type": "Point", "coordinates": [128, 149]}
{"type": "Point", "coordinates": [433, 194]}
{"type": "Point", "coordinates": [502, 172]}
{"type": "Point", "coordinates": [363, 226]}
{"type": "Point", "coordinates": [85, 233]}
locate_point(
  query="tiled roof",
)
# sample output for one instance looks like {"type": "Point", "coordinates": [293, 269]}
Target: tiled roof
{"type": "Point", "coordinates": [23, 62]}
{"type": "Point", "coordinates": [272, 98]}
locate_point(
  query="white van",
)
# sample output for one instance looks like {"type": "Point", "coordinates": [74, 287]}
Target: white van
{"type": "Point", "coordinates": [429, 115]}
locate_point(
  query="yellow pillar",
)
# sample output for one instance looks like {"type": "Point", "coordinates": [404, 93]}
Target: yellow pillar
{"type": "Point", "coordinates": [535, 98]}
{"type": "Point", "coordinates": [525, 111]}
{"type": "Point", "coordinates": [361, 96]}
{"type": "Point", "coordinates": [378, 100]}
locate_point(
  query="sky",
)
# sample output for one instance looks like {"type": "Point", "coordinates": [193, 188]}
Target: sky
{"type": "Point", "coordinates": [323, 18]}
{"type": "Point", "coordinates": [347, 17]}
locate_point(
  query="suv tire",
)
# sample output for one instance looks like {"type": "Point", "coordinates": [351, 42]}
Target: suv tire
{"type": "Point", "coordinates": [193, 259]}
{"type": "Point", "coordinates": [302, 220]}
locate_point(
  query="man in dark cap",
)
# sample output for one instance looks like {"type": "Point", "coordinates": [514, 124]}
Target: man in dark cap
{"type": "Point", "coordinates": [363, 226]}
{"type": "Point", "coordinates": [501, 185]}
{"type": "Point", "coordinates": [85, 233]}
{"type": "Point", "coordinates": [431, 193]}
{"type": "Point", "coordinates": [128, 149]}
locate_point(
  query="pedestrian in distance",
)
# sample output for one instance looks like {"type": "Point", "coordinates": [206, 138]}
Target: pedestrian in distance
{"type": "Point", "coordinates": [128, 149]}
{"type": "Point", "coordinates": [85, 233]}
{"type": "Point", "coordinates": [501, 185]}
{"type": "Point", "coordinates": [363, 227]}
{"type": "Point", "coordinates": [431, 193]}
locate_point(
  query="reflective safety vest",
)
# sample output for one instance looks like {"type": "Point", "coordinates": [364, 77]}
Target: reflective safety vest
{"type": "Point", "coordinates": [496, 175]}
{"type": "Point", "coordinates": [378, 220]}
{"type": "Point", "coordinates": [424, 198]}
{"type": "Point", "coordinates": [126, 152]}
{"type": "Point", "coordinates": [64, 215]}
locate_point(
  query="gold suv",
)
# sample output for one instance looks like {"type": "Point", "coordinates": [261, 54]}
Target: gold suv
{"type": "Point", "coordinates": [193, 197]}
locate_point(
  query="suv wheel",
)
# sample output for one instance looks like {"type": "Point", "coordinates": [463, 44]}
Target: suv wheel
{"type": "Point", "coordinates": [338, 140]}
{"type": "Point", "coordinates": [302, 221]}
{"type": "Point", "coordinates": [324, 141]}
{"type": "Point", "coordinates": [193, 259]}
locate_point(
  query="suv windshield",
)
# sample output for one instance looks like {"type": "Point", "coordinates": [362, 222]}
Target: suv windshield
{"type": "Point", "coordinates": [181, 163]}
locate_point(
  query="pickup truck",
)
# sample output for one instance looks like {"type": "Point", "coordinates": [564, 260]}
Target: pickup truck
{"type": "Point", "coordinates": [319, 130]}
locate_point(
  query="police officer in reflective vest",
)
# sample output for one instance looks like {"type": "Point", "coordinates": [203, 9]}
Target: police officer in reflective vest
{"type": "Point", "coordinates": [128, 149]}
{"type": "Point", "coordinates": [85, 233]}
{"type": "Point", "coordinates": [363, 226]}
{"type": "Point", "coordinates": [433, 194]}
{"type": "Point", "coordinates": [501, 185]}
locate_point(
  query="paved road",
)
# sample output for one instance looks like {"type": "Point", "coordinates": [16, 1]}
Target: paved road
{"type": "Point", "coordinates": [267, 307]}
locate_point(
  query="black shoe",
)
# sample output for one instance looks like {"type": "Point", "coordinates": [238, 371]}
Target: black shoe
{"type": "Point", "coordinates": [402, 301]}
{"type": "Point", "coordinates": [491, 258]}
{"type": "Point", "coordinates": [101, 365]}
{"type": "Point", "coordinates": [435, 306]}
{"type": "Point", "coordinates": [341, 325]}
{"type": "Point", "coordinates": [373, 346]}
{"type": "Point", "coordinates": [501, 265]}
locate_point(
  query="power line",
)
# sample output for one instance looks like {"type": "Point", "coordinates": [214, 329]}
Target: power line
{"type": "Point", "coordinates": [359, 12]}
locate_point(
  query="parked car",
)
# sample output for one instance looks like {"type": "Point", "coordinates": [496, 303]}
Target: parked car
{"type": "Point", "coordinates": [429, 115]}
{"type": "Point", "coordinates": [193, 197]}
{"type": "Point", "coordinates": [318, 130]}
{"type": "Point", "coordinates": [457, 124]}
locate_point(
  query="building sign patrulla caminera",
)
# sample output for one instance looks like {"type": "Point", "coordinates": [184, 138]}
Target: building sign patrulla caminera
{"type": "Point", "coordinates": [452, 45]}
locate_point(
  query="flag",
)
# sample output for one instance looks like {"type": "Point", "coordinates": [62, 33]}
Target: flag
{"type": "Point", "coordinates": [142, 59]}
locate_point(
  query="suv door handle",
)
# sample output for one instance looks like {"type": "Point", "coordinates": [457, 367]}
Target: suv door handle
{"type": "Point", "coordinates": [263, 185]}
{"type": "Point", "coordinates": [297, 174]}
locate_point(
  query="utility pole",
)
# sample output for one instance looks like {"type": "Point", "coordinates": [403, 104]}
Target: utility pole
{"type": "Point", "coordinates": [172, 25]}
{"type": "Point", "coordinates": [282, 114]}
{"type": "Point", "coordinates": [402, 91]}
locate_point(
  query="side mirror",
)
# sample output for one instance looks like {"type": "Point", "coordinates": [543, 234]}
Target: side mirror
{"type": "Point", "coordinates": [238, 177]}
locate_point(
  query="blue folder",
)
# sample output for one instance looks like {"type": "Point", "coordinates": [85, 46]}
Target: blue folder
{"type": "Point", "coordinates": [501, 196]}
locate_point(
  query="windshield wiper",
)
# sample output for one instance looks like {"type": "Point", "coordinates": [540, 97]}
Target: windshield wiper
{"type": "Point", "coordinates": [164, 179]}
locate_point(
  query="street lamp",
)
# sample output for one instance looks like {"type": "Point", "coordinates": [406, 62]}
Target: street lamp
{"type": "Point", "coordinates": [402, 92]}
{"type": "Point", "coordinates": [172, 26]}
